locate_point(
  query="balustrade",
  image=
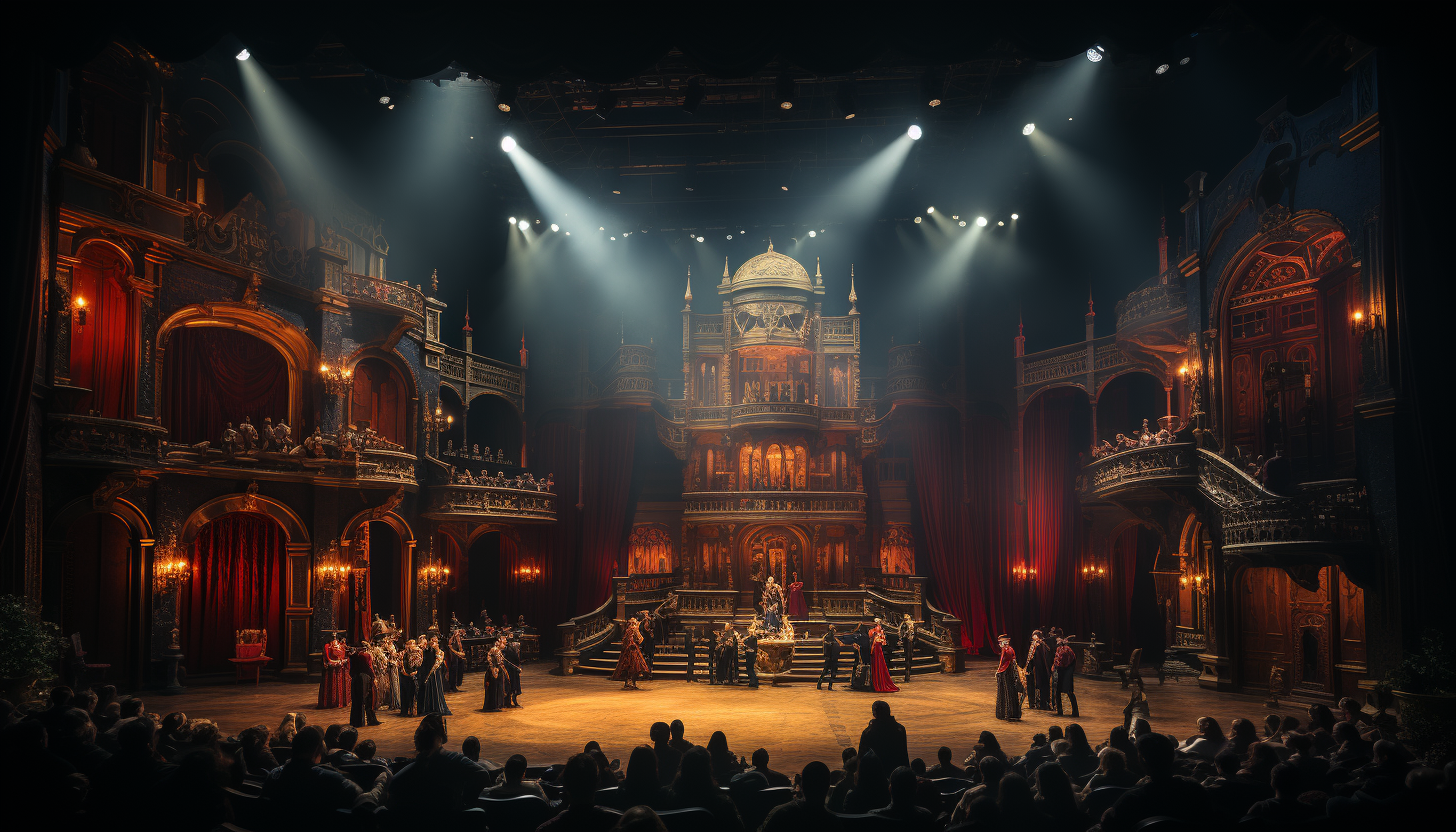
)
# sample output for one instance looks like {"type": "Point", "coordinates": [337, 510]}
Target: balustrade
{"type": "Point", "coordinates": [483, 501]}
{"type": "Point", "coordinates": [375, 290]}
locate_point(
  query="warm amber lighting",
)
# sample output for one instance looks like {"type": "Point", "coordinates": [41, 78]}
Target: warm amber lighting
{"type": "Point", "coordinates": [1359, 316]}
{"type": "Point", "coordinates": [1183, 371]}
{"type": "Point", "coordinates": [79, 304]}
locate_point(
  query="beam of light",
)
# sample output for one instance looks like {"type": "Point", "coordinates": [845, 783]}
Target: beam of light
{"type": "Point", "coordinates": [508, 143]}
{"type": "Point", "coordinates": [1086, 188]}
{"type": "Point", "coordinates": [951, 269]}
{"type": "Point", "coordinates": [559, 200]}
{"type": "Point", "coordinates": [244, 55]}
{"type": "Point", "coordinates": [857, 198]}
{"type": "Point", "coordinates": [1028, 129]}
{"type": "Point", "coordinates": [914, 132]}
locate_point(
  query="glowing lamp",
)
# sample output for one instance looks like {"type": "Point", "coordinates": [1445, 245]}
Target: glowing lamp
{"type": "Point", "coordinates": [981, 221]}
{"type": "Point", "coordinates": [508, 143]}
{"type": "Point", "coordinates": [1095, 54]}
{"type": "Point", "coordinates": [244, 55]}
{"type": "Point", "coordinates": [1028, 129]}
{"type": "Point", "coordinates": [523, 225]}
{"type": "Point", "coordinates": [79, 304]}
{"type": "Point", "coordinates": [914, 132]}
{"type": "Point", "coordinates": [813, 233]}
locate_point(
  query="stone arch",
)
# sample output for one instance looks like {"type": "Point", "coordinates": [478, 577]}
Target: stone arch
{"type": "Point", "coordinates": [293, 525]}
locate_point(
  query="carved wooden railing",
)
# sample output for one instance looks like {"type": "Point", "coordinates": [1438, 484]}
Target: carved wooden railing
{"type": "Point", "coordinates": [587, 633]}
{"type": "Point", "coordinates": [808, 503]}
{"type": "Point", "coordinates": [1320, 512]}
{"type": "Point", "coordinates": [707, 604]}
{"type": "Point", "coordinates": [380, 465]}
{"type": "Point", "coordinates": [95, 439]}
{"type": "Point", "coordinates": [483, 501]}
{"type": "Point", "coordinates": [842, 604]}
{"type": "Point", "coordinates": [1152, 466]}
{"type": "Point", "coordinates": [774, 411]}
{"type": "Point", "coordinates": [943, 630]}
{"type": "Point", "coordinates": [380, 292]}
{"type": "Point", "coordinates": [1156, 297]}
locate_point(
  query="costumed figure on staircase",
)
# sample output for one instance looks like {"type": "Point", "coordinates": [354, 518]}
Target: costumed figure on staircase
{"type": "Point", "coordinates": [393, 661]}
{"type": "Point", "coordinates": [859, 676]}
{"type": "Point", "coordinates": [879, 671]}
{"type": "Point", "coordinates": [431, 680]}
{"type": "Point", "coordinates": [773, 604]}
{"type": "Point", "coordinates": [831, 658]}
{"type": "Point", "coordinates": [907, 642]}
{"type": "Point", "coordinates": [797, 608]}
{"type": "Point", "coordinates": [631, 665]}
{"type": "Point", "coordinates": [1008, 682]}
{"type": "Point", "coordinates": [361, 677]}
{"type": "Point", "coordinates": [334, 689]}
{"type": "Point", "coordinates": [1039, 665]}
{"type": "Point", "coordinates": [1063, 665]}
{"type": "Point", "coordinates": [725, 657]}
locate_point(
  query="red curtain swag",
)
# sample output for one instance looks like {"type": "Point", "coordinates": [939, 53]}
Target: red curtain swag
{"type": "Point", "coordinates": [217, 375]}
{"type": "Point", "coordinates": [237, 583]}
{"type": "Point", "coordinates": [610, 442]}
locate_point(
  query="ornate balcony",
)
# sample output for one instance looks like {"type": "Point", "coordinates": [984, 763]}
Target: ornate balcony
{"type": "Point", "coordinates": [92, 439]}
{"type": "Point", "coordinates": [795, 414]}
{"type": "Point", "coordinates": [486, 503]}
{"type": "Point", "coordinates": [385, 295]}
{"type": "Point", "coordinates": [385, 466]}
{"type": "Point", "coordinates": [1155, 466]}
{"type": "Point", "coordinates": [1319, 516]}
{"type": "Point", "coordinates": [776, 505]}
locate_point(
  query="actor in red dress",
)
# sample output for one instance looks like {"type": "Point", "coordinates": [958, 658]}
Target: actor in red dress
{"type": "Point", "coordinates": [631, 664]}
{"type": "Point", "coordinates": [797, 607]}
{"type": "Point", "coordinates": [879, 671]}
{"type": "Point", "coordinates": [1008, 683]}
{"type": "Point", "coordinates": [334, 689]}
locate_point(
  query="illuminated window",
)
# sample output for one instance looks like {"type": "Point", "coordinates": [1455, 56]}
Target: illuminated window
{"type": "Point", "coordinates": [1251, 324]}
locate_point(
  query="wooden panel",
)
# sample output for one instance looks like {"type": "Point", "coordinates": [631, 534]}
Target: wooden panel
{"type": "Point", "coordinates": [1263, 626]}
{"type": "Point", "coordinates": [1351, 622]}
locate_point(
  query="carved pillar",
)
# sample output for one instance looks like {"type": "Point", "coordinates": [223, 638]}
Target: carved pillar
{"type": "Point", "coordinates": [298, 613]}
{"type": "Point", "coordinates": [1218, 657]}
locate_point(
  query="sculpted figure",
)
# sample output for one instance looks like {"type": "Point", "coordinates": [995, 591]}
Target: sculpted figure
{"type": "Point", "coordinates": [231, 442]}
{"type": "Point", "coordinates": [283, 437]}
{"type": "Point", "coordinates": [266, 442]}
{"type": "Point", "coordinates": [313, 444]}
{"type": "Point", "coordinates": [248, 434]}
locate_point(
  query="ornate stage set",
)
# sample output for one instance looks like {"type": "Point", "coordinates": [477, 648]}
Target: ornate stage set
{"type": "Point", "coordinates": [252, 427]}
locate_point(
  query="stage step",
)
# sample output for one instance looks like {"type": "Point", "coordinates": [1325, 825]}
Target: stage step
{"type": "Point", "coordinates": [670, 662]}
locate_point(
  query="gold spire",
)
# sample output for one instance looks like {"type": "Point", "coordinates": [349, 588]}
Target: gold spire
{"type": "Point", "coordinates": [725, 265]}
{"type": "Point", "coordinates": [770, 245]}
{"type": "Point", "coordinates": [816, 268]}
{"type": "Point", "coordinates": [688, 295]}
{"type": "Point", "coordinates": [853, 298]}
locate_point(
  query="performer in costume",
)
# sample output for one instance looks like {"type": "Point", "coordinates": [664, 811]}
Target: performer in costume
{"type": "Point", "coordinates": [907, 642]}
{"type": "Point", "coordinates": [395, 659]}
{"type": "Point", "coordinates": [879, 671]}
{"type": "Point", "coordinates": [725, 656]}
{"type": "Point", "coordinates": [773, 604]}
{"type": "Point", "coordinates": [495, 680]}
{"type": "Point", "coordinates": [430, 680]}
{"type": "Point", "coordinates": [630, 664]}
{"type": "Point", "coordinates": [455, 660]}
{"type": "Point", "coordinates": [1039, 665]}
{"type": "Point", "coordinates": [381, 674]}
{"type": "Point", "coordinates": [648, 632]}
{"type": "Point", "coordinates": [1008, 683]}
{"type": "Point", "coordinates": [797, 607]}
{"type": "Point", "coordinates": [690, 648]}
{"type": "Point", "coordinates": [831, 658]}
{"type": "Point", "coordinates": [750, 657]}
{"type": "Point", "coordinates": [361, 676]}
{"type": "Point", "coordinates": [334, 689]}
{"type": "Point", "coordinates": [409, 667]}
{"type": "Point", "coordinates": [512, 656]}
{"type": "Point", "coordinates": [859, 677]}
{"type": "Point", "coordinates": [1062, 667]}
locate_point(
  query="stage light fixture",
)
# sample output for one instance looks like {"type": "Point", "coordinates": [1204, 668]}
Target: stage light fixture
{"type": "Point", "coordinates": [244, 55]}
{"type": "Point", "coordinates": [617, 192]}
{"type": "Point", "coordinates": [511, 221]}
{"type": "Point", "coordinates": [918, 220]}
{"type": "Point", "coordinates": [730, 236]}
{"type": "Point", "coordinates": [601, 228]}
{"type": "Point", "coordinates": [742, 231]}
{"type": "Point", "coordinates": [383, 99]}
{"type": "Point", "coordinates": [555, 227]}
{"type": "Point", "coordinates": [1000, 223]}
{"type": "Point", "coordinates": [813, 234]}
{"type": "Point", "coordinates": [508, 143]}
{"type": "Point", "coordinates": [1095, 54]}
{"type": "Point", "coordinates": [1185, 61]}
{"type": "Point", "coordinates": [914, 132]}
{"type": "Point", "coordinates": [606, 102]}
{"type": "Point", "coordinates": [783, 187]}
{"type": "Point", "coordinates": [693, 97]}
{"type": "Point", "coordinates": [568, 233]}
{"type": "Point", "coordinates": [955, 216]}
{"type": "Point", "coordinates": [700, 239]}
{"type": "Point", "coordinates": [523, 225]}
{"type": "Point", "coordinates": [1016, 216]}
{"type": "Point", "coordinates": [1028, 129]}
{"type": "Point", "coordinates": [1162, 68]}
{"type": "Point", "coordinates": [932, 83]}
{"type": "Point", "coordinates": [963, 223]}
{"type": "Point", "coordinates": [505, 100]}
{"type": "Point", "coordinates": [981, 221]}
{"type": "Point", "coordinates": [845, 98]}
{"type": "Point", "coordinates": [391, 106]}
{"type": "Point", "coordinates": [785, 88]}
{"type": "Point", "coordinates": [614, 238]}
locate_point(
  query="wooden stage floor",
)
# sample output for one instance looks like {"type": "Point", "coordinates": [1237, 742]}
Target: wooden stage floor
{"type": "Point", "coordinates": [795, 722]}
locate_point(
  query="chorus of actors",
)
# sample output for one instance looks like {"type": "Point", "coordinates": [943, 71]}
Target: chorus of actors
{"type": "Point", "coordinates": [797, 608]}
{"type": "Point", "coordinates": [879, 670]}
{"type": "Point", "coordinates": [630, 664]}
{"type": "Point", "coordinates": [334, 688]}
{"type": "Point", "coordinates": [1008, 682]}
{"type": "Point", "coordinates": [430, 679]}
{"type": "Point", "coordinates": [361, 677]}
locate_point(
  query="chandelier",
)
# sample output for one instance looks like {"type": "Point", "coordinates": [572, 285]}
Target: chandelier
{"type": "Point", "coordinates": [438, 421]}
{"type": "Point", "coordinates": [1022, 572]}
{"type": "Point", "coordinates": [1197, 580]}
{"type": "Point", "coordinates": [332, 570]}
{"type": "Point", "coordinates": [169, 568]}
{"type": "Point", "coordinates": [1094, 572]}
{"type": "Point", "coordinates": [336, 378]}
{"type": "Point", "coordinates": [528, 572]}
{"type": "Point", "coordinates": [433, 576]}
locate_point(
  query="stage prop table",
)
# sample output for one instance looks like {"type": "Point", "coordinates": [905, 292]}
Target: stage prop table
{"type": "Point", "coordinates": [775, 657]}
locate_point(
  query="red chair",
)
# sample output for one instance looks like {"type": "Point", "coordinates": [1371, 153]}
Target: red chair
{"type": "Point", "coordinates": [81, 657]}
{"type": "Point", "coordinates": [251, 647]}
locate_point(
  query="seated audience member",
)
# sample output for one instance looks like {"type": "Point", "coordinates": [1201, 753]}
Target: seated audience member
{"type": "Point", "coordinates": [1350, 711]}
{"type": "Point", "coordinates": [1118, 738]}
{"type": "Point", "coordinates": [980, 815]}
{"type": "Point", "coordinates": [194, 797]}
{"type": "Point", "coordinates": [1161, 793]}
{"type": "Point", "coordinates": [1111, 771]}
{"type": "Point", "coordinates": [438, 784]}
{"type": "Point", "coordinates": [841, 790]}
{"type": "Point", "coordinates": [1312, 768]}
{"type": "Point", "coordinates": [367, 752]}
{"type": "Point", "coordinates": [131, 708]}
{"type": "Point", "coordinates": [1384, 777]}
{"type": "Point", "coordinates": [606, 771]}
{"type": "Point", "coordinates": [253, 742]}
{"type": "Point", "coordinates": [343, 753]}
{"type": "Point", "coordinates": [643, 783]}
{"type": "Point", "coordinates": [283, 735]}
{"type": "Point", "coordinates": [107, 715]}
{"type": "Point", "coordinates": [56, 707]}
{"type": "Point", "coordinates": [694, 786]}
{"type": "Point", "coordinates": [1018, 807]}
{"type": "Point", "coordinates": [902, 807]}
{"type": "Point", "coordinates": [76, 742]}
{"type": "Point", "coordinates": [1080, 760]}
{"type": "Point", "coordinates": [514, 784]}
{"type": "Point", "coordinates": [987, 746]}
{"type": "Point", "coordinates": [304, 793]}
{"type": "Point", "coordinates": [1039, 752]}
{"type": "Point", "coordinates": [1243, 735]}
{"type": "Point", "coordinates": [1353, 750]}
{"type": "Point", "coordinates": [807, 812]}
{"type": "Point", "coordinates": [884, 736]}
{"type": "Point", "coordinates": [668, 756]}
{"type": "Point", "coordinates": [760, 765]}
{"type": "Point", "coordinates": [675, 730]}
{"type": "Point", "coordinates": [725, 765]}
{"type": "Point", "coordinates": [579, 780]}
{"type": "Point", "coordinates": [1230, 792]}
{"type": "Point", "coordinates": [1260, 765]}
{"type": "Point", "coordinates": [331, 739]}
{"type": "Point", "coordinates": [871, 786]}
{"type": "Point", "coordinates": [1271, 728]}
{"type": "Point", "coordinates": [640, 819]}
{"type": "Point", "coordinates": [1056, 800]}
{"type": "Point", "coordinates": [470, 747]}
{"type": "Point", "coordinates": [1284, 807]}
{"type": "Point", "coordinates": [1207, 742]}
{"type": "Point", "coordinates": [126, 785]}
{"type": "Point", "coordinates": [943, 766]}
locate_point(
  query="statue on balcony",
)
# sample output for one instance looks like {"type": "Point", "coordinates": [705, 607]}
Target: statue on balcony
{"type": "Point", "coordinates": [500, 455]}
{"type": "Point", "coordinates": [282, 437]}
{"type": "Point", "coordinates": [487, 451]}
{"type": "Point", "coordinates": [476, 452]}
{"type": "Point", "coordinates": [313, 445]}
{"type": "Point", "coordinates": [450, 447]}
{"type": "Point", "coordinates": [773, 603]}
{"type": "Point", "coordinates": [550, 483]}
{"type": "Point", "coordinates": [248, 434]}
{"type": "Point", "coordinates": [232, 441]}
{"type": "Point", "coordinates": [348, 438]}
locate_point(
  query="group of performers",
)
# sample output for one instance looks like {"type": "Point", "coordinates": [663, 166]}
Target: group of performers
{"type": "Point", "coordinates": [871, 668]}
{"type": "Point", "coordinates": [412, 676]}
{"type": "Point", "coordinates": [1047, 675]}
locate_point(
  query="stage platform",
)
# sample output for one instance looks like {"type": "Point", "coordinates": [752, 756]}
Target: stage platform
{"type": "Point", "coordinates": [794, 721]}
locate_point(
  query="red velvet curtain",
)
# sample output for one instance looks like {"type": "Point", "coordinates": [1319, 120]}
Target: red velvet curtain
{"type": "Point", "coordinates": [379, 398]}
{"type": "Point", "coordinates": [1123, 565]}
{"type": "Point", "coordinates": [101, 349]}
{"type": "Point", "coordinates": [1054, 429]}
{"type": "Point", "coordinates": [995, 526]}
{"type": "Point", "coordinates": [217, 375]}
{"type": "Point", "coordinates": [610, 442]}
{"type": "Point", "coordinates": [557, 546]}
{"type": "Point", "coordinates": [237, 583]}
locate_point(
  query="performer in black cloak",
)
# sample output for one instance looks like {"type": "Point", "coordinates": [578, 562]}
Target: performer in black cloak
{"type": "Point", "coordinates": [691, 649]}
{"type": "Point", "coordinates": [750, 657]}
{"type": "Point", "coordinates": [497, 681]}
{"type": "Point", "coordinates": [455, 661]}
{"type": "Point", "coordinates": [859, 678]}
{"type": "Point", "coordinates": [409, 667]}
{"type": "Point", "coordinates": [725, 663]}
{"type": "Point", "coordinates": [512, 655]}
{"type": "Point", "coordinates": [1039, 663]}
{"type": "Point", "coordinates": [1008, 682]}
{"type": "Point", "coordinates": [649, 637]}
{"type": "Point", "coordinates": [361, 676]}
{"type": "Point", "coordinates": [831, 658]}
{"type": "Point", "coordinates": [430, 682]}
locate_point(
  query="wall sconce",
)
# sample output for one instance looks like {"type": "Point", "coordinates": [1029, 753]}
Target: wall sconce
{"type": "Point", "coordinates": [1198, 581]}
{"type": "Point", "coordinates": [332, 570]}
{"type": "Point", "coordinates": [438, 421]}
{"type": "Point", "coordinates": [528, 572]}
{"type": "Point", "coordinates": [336, 378]}
{"type": "Point", "coordinates": [169, 568]}
{"type": "Point", "coordinates": [432, 576]}
{"type": "Point", "coordinates": [1022, 572]}
{"type": "Point", "coordinates": [78, 305]}
{"type": "Point", "coordinates": [1094, 572]}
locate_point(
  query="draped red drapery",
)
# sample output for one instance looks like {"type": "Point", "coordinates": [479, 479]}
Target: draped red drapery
{"type": "Point", "coordinates": [1123, 564]}
{"type": "Point", "coordinates": [1054, 429]}
{"type": "Point", "coordinates": [610, 442]}
{"type": "Point", "coordinates": [101, 348]}
{"type": "Point", "coordinates": [995, 518]}
{"type": "Point", "coordinates": [237, 583]}
{"type": "Point", "coordinates": [556, 547]}
{"type": "Point", "coordinates": [217, 375]}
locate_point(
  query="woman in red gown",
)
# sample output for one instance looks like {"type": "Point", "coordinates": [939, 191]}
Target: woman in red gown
{"type": "Point", "coordinates": [630, 664]}
{"type": "Point", "coordinates": [797, 607]}
{"type": "Point", "coordinates": [879, 671]}
{"type": "Point", "coordinates": [334, 689]}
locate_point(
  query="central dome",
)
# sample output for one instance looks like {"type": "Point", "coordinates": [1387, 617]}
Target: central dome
{"type": "Point", "coordinates": [773, 270]}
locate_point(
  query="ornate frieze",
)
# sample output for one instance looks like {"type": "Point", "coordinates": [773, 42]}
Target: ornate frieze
{"type": "Point", "coordinates": [827, 504]}
{"type": "Point", "coordinates": [1151, 466]}
{"type": "Point", "coordinates": [94, 439]}
{"type": "Point", "coordinates": [386, 293]}
{"type": "Point", "coordinates": [481, 502]}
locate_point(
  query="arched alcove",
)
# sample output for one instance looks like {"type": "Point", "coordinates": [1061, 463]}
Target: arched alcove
{"type": "Point", "coordinates": [1125, 401]}
{"type": "Point", "coordinates": [381, 399]}
{"type": "Point", "coordinates": [218, 376]}
{"type": "Point", "coordinates": [493, 422]}
{"type": "Point", "coordinates": [103, 339]}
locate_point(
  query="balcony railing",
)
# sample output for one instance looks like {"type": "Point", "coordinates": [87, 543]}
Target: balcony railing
{"type": "Point", "coordinates": [1153, 466]}
{"type": "Point", "coordinates": [776, 503]}
{"type": "Point", "coordinates": [380, 292]}
{"type": "Point", "coordinates": [94, 439]}
{"type": "Point", "coordinates": [455, 502]}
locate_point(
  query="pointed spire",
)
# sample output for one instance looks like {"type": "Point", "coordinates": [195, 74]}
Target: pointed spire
{"type": "Point", "coordinates": [818, 275]}
{"type": "Point", "coordinates": [434, 282]}
{"type": "Point", "coordinates": [525, 353]}
{"type": "Point", "coordinates": [853, 298]}
{"type": "Point", "coordinates": [1089, 300]}
{"type": "Point", "coordinates": [688, 295]}
{"type": "Point", "coordinates": [466, 329]}
{"type": "Point", "coordinates": [725, 271]}
{"type": "Point", "coordinates": [770, 244]}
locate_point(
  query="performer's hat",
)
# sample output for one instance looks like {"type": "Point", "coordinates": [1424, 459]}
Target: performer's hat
{"type": "Point", "coordinates": [1003, 637]}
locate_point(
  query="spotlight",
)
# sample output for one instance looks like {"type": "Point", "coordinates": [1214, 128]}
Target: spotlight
{"type": "Point", "coordinates": [813, 234]}
{"type": "Point", "coordinates": [730, 236]}
{"type": "Point", "coordinates": [930, 210]}
{"type": "Point", "coordinates": [568, 233]}
{"type": "Point", "coordinates": [963, 223]}
{"type": "Point", "coordinates": [1000, 222]}
{"type": "Point", "coordinates": [606, 102]}
{"type": "Point", "coordinates": [508, 144]}
{"type": "Point", "coordinates": [617, 192]}
{"type": "Point", "coordinates": [981, 221]}
{"type": "Point", "coordinates": [511, 221]}
{"type": "Point", "coordinates": [783, 187]}
{"type": "Point", "coordinates": [1183, 62]}
{"type": "Point", "coordinates": [505, 100]}
{"type": "Point", "coordinates": [391, 106]}
{"type": "Point", "coordinates": [383, 99]}
{"type": "Point", "coordinates": [955, 216]}
{"type": "Point", "coordinates": [693, 97]}
{"type": "Point", "coordinates": [785, 88]}
{"type": "Point", "coordinates": [914, 132]}
{"type": "Point", "coordinates": [1095, 54]}
{"type": "Point", "coordinates": [700, 239]}
{"type": "Point", "coordinates": [601, 228]}
{"type": "Point", "coordinates": [523, 225]}
{"type": "Point", "coordinates": [742, 231]}
{"type": "Point", "coordinates": [244, 55]}
{"type": "Point", "coordinates": [555, 227]}
{"type": "Point", "coordinates": [918, 220]}
{"type": "Point", "coordinates": [821, 231]}
{"type": "Point", "coordinates": [1016, 216]}
{"type": "Point", "coordinates": [1162, 68]}
{"type": "Point", "coordinates": [614, 238]}
{"type": "Point", "coordinates": [1028, 130]}
{"type": "Point", "coordinates": [844, 97]}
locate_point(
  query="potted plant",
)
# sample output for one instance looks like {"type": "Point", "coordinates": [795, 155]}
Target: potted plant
{"type": "Point", "coordinates": [30, 647]}
{"type": "Point", "coordinates": [1424, 685]}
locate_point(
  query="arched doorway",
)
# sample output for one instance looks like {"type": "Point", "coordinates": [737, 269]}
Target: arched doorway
{"type": "Point", "coordinates": [381, 400]}
{"type": "Point", "coordinates": [770, 550]}
{"type": "Point", "coordinates": [216, 375]}
{"type": "Point", "coordinates": [452, 441]}
{"type": "Point", "coordinates": [103, 342]}
{"type": "Point", "coordinates": [1125, 402]}
{"type": "Point", "coordinates": [483, 585]}
{"type": "Point", "coordinates": [388, 570]}
{"type": "Point", "coordinates": [493, 423]}
{"type": "Point", "coordinates": [104, 595]}
{"type": "Point", "coordinates": [238, 582]}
